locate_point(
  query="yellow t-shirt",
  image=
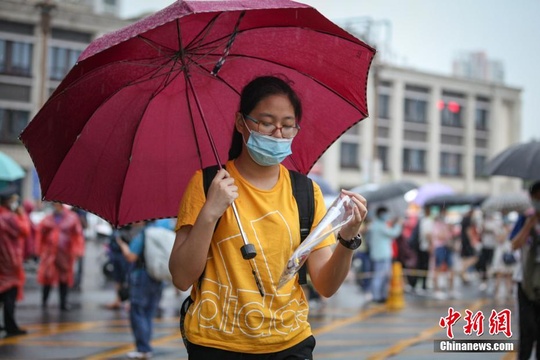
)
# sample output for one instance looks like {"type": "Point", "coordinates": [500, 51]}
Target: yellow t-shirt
{"type": "Point", "coordinates": [228, 311]}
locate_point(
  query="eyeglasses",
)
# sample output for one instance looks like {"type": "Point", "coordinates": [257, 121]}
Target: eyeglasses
{"type": "Point", "coordinates": [267, 128]}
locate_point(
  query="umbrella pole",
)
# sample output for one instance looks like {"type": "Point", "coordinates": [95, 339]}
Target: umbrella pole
{"type": "Point", "coordinates": [248, 250]}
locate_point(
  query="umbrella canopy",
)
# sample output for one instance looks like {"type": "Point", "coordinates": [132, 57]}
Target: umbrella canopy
{"type": "Point", "coordinates": [390, 195]}
{"type": "Point", "coordinates": [456, 200]}
{"type": "Point", "coordinates": [506, 203]}
{"type": "Point", "coordinates": [381, 192]}
{"type": "Point", "coordinates": [431, 190]}
{"type": "Point", "coordinates": [10, 170]}
{"type": "Point", "coordinates": [149, 104]}
{"type": "Point", "coordinates": [520, 160]}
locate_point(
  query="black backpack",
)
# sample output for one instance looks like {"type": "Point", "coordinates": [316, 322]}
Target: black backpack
{"type": "Point", "coordinates": [302, 188]}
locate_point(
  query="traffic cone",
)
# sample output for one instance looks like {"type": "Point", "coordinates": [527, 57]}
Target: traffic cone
{"type": "Point", "coordinates": [396, 300]}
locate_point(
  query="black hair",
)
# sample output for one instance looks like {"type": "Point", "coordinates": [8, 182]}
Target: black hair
{"type": "Point", "coordinates": [381, 210]}
{"type": "Point", "coordinates": [257, 90]}
{"type": "Point", "coordinates": [535, 188]}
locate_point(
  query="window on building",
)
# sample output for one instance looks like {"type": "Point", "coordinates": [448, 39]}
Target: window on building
{"type": "Point", "coordinates": [12, 123]}
{"type": "Point", "coordinates": [414, 161]}
{"type": "Point", "coordinates": [70, 35]}
{"type": "Point", "coordinates": [481, 119]}
{"type": "Point", "coordinates": [15, 58]}
{"type": "Point", "coordinates": [16, 27]}
{"type": "Point", "coordinates": [416, 110]}
{"type": "Point", "coordinates": [451, 113]}
{"type": "Point", "coordinates": [382, 154]}
{"type": "Point", "coordinates": [384, 106]}
{"type": "Point", "coordinates": [480, 166]}
{"type": "Point", "coordinates": [349, 156]}
{"type": "Point", "coordinates": [450, 164]}
{"type": "Point", "coordinates": [61, 60]}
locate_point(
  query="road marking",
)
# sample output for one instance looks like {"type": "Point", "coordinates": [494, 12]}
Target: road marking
{"type": "Point", "coordinates": [422, 336]}
{"type": "Point", "coordinates": [344, 322]}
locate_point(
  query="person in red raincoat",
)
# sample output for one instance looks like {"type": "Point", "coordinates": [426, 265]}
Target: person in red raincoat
{"type": "Point", "coordinates": [14, 228]}
{"type": "Point", "coordinates": [59, 242]}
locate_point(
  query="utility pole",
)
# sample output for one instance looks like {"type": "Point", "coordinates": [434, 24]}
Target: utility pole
{"type": "Point", "coordinates": [46, 8]}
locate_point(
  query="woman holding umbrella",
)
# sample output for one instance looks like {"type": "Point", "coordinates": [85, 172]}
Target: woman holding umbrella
{"type": "Point", "coordinates": [229, 317]}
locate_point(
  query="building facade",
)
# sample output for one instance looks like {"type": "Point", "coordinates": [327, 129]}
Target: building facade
{"type": "Point", "coordinates": [428, 128]}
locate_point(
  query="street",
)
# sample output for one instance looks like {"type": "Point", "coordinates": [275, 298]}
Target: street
{"type": "Point", "coordinates": [346, 326]}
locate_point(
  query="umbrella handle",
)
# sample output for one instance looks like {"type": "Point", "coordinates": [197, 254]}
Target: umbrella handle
{"type": "Point", "coordinates": [248, 250]}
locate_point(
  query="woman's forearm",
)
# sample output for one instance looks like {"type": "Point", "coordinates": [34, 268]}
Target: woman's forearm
{"type": "Point", "coordinates": [336, 266]}
{"type": "Point", "coordinates": [190, 251]}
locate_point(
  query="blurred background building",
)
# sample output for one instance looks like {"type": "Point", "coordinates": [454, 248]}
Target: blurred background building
{"type": "Point", "coordinates": [476, 65]}
{"type": "Point", "coordinates": [424, 127]}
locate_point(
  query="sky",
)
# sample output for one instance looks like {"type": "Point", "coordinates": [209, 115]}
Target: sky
{"type": "Point", "coordinates": [428, 34]}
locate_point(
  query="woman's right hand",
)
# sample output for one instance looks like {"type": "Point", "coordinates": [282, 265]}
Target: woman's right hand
{"type": "Point", "coordinates": [221, 194]}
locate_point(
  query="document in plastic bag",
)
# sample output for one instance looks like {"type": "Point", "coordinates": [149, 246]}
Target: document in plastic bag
{"type": "Point", "coordinates": [339, 214]}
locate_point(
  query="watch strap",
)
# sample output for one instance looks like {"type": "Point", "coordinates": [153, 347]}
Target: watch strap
{"type": "Point", "coordinates": [351, 244]}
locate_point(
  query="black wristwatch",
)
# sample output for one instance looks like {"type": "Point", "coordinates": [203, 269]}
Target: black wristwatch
{"type": "Point", "coordinates": [352, 244]}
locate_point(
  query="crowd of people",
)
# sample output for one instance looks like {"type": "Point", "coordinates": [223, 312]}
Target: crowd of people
{"type": "Point", "coordinates": [434, 248]}
{"type": "Point", "coordinates": [52, 236]}
{"type": "Point", "coordinates": [498, 252]}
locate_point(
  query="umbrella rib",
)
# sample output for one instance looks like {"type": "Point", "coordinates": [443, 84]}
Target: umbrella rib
{"type": "Point", "coordinates": [186, 83]}
{"type": "Point", "coordinates": [230, 42]}
{"type": "Point", "coordinates": [296, 70]}
{"type": "Point", "coordinates": [154, 44]}
{"type": "Point", "coordinates": [132, 83]}
{"type": "Point", "coordinates": [199, 38]}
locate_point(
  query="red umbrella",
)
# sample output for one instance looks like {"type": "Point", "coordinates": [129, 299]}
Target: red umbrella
{"type": "Point", "coordinates": [149, 104]}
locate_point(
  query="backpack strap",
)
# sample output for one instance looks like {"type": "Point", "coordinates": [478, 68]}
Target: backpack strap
{"type": "Point", "coordinates": [302, 188]}
{"type": "Point", "coordinates": [209, 173]}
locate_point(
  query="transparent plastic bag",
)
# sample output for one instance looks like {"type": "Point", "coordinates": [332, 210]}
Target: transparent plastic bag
{"type": "Point", "coordinates": [338, 214]}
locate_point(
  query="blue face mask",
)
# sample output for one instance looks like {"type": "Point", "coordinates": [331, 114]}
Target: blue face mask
{"type": "Point", "coordinates": [267, 150]}
{"type": "Point", "coordinates": [385, 217]}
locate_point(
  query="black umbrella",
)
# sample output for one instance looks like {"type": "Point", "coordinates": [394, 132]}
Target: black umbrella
{"type": "Point", "coordinates": [376, 193]}
{"type": "Point", "coordinates": [456, 200]}
{"type": "Point", "coordinates": [520, 160]}
{"type": "Point", "coordinates": [390, 195]}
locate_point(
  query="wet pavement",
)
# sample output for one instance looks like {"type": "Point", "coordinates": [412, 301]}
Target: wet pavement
{"type": "Point", "coordinates": [346, 326]}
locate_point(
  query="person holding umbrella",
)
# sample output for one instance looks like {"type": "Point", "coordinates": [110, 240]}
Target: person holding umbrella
{"type": "Point", "coordinates": [230, 317]}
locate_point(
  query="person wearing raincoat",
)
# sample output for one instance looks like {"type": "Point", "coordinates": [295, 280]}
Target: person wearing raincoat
{"type": "Point", "coordinates": [59, 242]}
{"type": "Point", "coordinates": [229, 318]}
{"type": "Point", "coordinates": [14, 229]}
